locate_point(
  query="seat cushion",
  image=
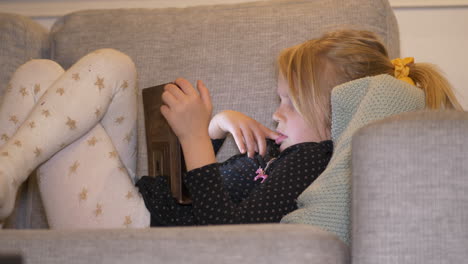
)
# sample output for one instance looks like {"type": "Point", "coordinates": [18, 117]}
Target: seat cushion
{"type": "Point", "coordinates": [259, 244]}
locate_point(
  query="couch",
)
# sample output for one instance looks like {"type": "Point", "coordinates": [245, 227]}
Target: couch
{"type": "Point", "coordinates": [395, 217]}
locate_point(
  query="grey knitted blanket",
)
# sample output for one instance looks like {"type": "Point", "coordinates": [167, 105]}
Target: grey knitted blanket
{"type": "Point", "coordinates": [326, 202]}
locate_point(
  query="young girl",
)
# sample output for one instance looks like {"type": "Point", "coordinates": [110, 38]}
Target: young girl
{"type": "Point", "coordinates": [79, 127]}
{"type": "Point", "coordinates": [243, 189]}
{"type": "Point", "coordinates": [81, 132]}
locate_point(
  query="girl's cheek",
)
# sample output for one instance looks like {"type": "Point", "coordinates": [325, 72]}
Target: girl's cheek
{"type": "Point", "coordinates": [288, 110]}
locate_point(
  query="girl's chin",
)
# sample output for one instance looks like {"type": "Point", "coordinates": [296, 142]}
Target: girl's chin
{"type": "Point", "coordinates": [282, 141]}
{"type": "Point", "coordinates": [283, 146]}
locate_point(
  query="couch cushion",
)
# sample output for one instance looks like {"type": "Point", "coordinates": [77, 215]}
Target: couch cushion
{"type": "Point", "coordinates": [232, 48]}
{"type": "Point", "coordinates": [256, 244]}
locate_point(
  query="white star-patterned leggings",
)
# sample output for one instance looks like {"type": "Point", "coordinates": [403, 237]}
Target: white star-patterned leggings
{"type": "Point", "coordinates": [78, 129]}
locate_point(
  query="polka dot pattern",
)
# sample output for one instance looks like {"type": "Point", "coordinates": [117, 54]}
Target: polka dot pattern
{"type": "Point", "coordinates": [225, 193]}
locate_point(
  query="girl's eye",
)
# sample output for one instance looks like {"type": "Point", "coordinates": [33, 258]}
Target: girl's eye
{"type": "Point", "coordinates": [286, 101]}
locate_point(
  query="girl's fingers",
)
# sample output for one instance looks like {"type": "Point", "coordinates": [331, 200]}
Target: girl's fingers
{"type": "Point", "coordinates": [174, 90]}
{"type": "Point", "coordinates": [261, 144]}
{"type": "Point", "coordinates": [165, 111]}
{"type": "Point", "coordinates": [270, 133]}
{"type": "Point", "coordinates": [250, 142]}
{"type": "Point", "coordinates": [239, 140]}
{"type": "Point", "coordinates": [185, 86]}
{"type": "Point", "coordinates": [204, 94]}
{"type": "Point", "coordinates": [169, 99]}
{"type": "Point", "coordinates": [249, 135]}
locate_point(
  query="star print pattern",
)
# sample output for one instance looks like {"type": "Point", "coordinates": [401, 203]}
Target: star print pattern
{"type": "Point", "coordinates": [24, 92]}
{"type": "Point", "coordinates": [76, 76]}
{"type": "Point", "coordinates": [225, 193]}
{"type": "Point", "coordinates": [37, 88]}
{"type": "Point", "coordinates": [99, 83]}
{"type": "Point", "coordinates": [92, 141]}
{"type": "Point", "coordinates": [97, 112]}
{"type": "Point", "coordinates": [83, 195]}
{"type": "Point", "coordinates": [113, 154]}
{"type": "Point", "coordinates": [124, 85]}
{"type": "Point", "coordinates": [128, 137]}
{"type": "Point", "coordinates": [18, 143]}
{"type": "Point", "coordinates": [37, 152]}
{"type": "Point", "coordinates": [98, 210]}
{"type": "Point", "coordinates": [119, 120]}
{"type": "Point", "coordinates": [60, 91]}
{"type": "Point", "coordinates": [14, 119]}
{"type": "Point", "coordinates": [46, 111]}
{"type": "Point", "coordinates": [71, 123]}
{"type": "Point", "coordinates": [74, 167]}
{"type": "Point", "coordinates": [128, 221]}
{"type": "Point", "coordinates": [129, 195]}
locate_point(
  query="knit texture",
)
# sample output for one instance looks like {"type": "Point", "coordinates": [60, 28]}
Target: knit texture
{"type": "Point", "coordinates": [326, 202]}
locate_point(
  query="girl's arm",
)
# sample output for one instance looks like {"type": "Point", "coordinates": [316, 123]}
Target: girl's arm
{"type": "Point", "coordinates": [188, 112]}
{"type": "Point", "coordinates": [249, 135]}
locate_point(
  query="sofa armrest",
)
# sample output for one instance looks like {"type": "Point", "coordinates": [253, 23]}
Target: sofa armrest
{"type": "Point", "coordinates": [261, 243]}
{"type": "Point", "coordinates": [409, 189]}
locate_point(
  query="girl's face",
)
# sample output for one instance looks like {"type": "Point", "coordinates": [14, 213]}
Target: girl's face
{"type": "Point", "coordinates": [293, 128]}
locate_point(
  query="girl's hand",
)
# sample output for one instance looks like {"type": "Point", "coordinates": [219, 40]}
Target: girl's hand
{"type": "Point", "coordinates": [187, 111]}
{"type": "Point", "coordinates": [248, 134]}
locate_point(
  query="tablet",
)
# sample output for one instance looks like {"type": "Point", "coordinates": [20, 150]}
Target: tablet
{"type": "Point", "coordinates": [165, 157]}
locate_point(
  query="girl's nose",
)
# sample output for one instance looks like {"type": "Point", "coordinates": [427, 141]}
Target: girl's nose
{"type": "Point", "coordinates": [276, 117]}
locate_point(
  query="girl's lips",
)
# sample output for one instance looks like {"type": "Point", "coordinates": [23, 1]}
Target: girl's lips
{"type": "Point", "coordinates": [281, 139]}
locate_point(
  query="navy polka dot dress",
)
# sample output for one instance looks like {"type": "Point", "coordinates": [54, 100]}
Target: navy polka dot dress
{"type": "Point", "coordinates": [226, 193]}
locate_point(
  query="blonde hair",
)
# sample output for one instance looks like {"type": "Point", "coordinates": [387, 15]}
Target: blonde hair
{"type": "Point", "coordinates": [314, 67]}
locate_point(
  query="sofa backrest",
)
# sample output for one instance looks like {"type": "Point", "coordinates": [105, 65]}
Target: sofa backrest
{"type": "Point", "coordinates": [21, 39]}
{"type": "Point", "coordinates": [232, 48]}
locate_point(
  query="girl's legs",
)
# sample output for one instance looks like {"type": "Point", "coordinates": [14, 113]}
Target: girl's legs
{"type": "Point", "coordinates": [26, 86]}
{"type": "Point", "coordinates": [83, 128]}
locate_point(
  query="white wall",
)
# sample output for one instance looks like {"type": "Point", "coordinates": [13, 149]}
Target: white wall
{"type": "Point", "coordinates": [439, 36]}
{"type": "Point", "coordinates": [430, 30]}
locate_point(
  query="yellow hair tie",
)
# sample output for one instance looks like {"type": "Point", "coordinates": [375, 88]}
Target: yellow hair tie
{"type": "Point", "coordinates": [401, 70]}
